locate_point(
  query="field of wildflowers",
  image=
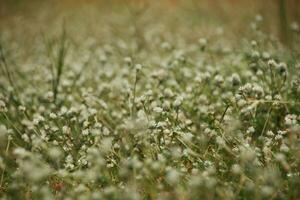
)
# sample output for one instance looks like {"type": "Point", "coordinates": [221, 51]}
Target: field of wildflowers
{"type": "Point", "coordinates": [148, 102]}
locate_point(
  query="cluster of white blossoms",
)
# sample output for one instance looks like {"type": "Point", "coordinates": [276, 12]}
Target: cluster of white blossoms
{"type": "Point", "coordinates": [151, 114]}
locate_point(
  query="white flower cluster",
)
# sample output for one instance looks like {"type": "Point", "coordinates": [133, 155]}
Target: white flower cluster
{"type": "Point", "coordinates": [150, 114]}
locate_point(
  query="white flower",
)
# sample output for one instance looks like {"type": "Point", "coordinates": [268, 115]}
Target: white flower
{"type": "Point", "coordinates": [50, 95]}
{"type": "Point", "coordinates": [284, 148]}
{"type": "Point", "coordinates": [173, 176]}
{"type": "Point", "coordinates": [138, 67]}
{"type": "Point", "coordinates": [235, 79]}
{"type": "Point", "coordinates": [202, 42]}
{"type": "Point", "coordinates": [85, 132]}
{"type": "Point", "coordinates": [178, 101]}
{"type": "Point", "coordinates": [270, 133]}
{"type": "Point", "coordinates": [2, 164]}
{"type": "Point", "coordinates": [128, 60]}
{"type": "Point", "coordinates": [295, 26]}
{"type": "Point", "coordinates": [2, 106]}
{"type": "Point", "coordinates": [55, 153]}
{"type": "Point", "coordinates": [272, 63]}
{"type": "Point", "coordinates": [22, 108]}
{"type": "Point", "coordinates": [158, 109]}
{"type": "Point", "coordinates": [258, 18]}
{"type": "Point", "coordinates": [250, 130]}
{"type": "Point", "coordinates": [236, 169]}
{"type": "Point", "coordinates": [247, 154]}
{"type": "Point", "coordinates": [187, 137]}
{"type": "Point", "coordinates": [282, 68]}
{"type": "Point", "coordinates": [106, 144]}
{"type": "Point", "coordinates": [253, 43]}
{"type": "Point", "coordinates": [25, 138]}
{"type": "Point", "coordinates": [3, 131]}
{"type": "Point", "coordinates": [220, 141]}
{"type": "Point", "coordinates": [66, 130]}
{"type": "Point", "coordinates": [290, 119]}
{"type": "Point", "coordinates": [53, 115]}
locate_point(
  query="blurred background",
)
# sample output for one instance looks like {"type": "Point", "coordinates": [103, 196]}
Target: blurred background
{"type": "Point", "coordinates": [95, 17]}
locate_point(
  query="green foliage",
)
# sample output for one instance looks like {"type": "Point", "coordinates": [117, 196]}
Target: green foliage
{"type": "Point", "coordinates": [150, 114]}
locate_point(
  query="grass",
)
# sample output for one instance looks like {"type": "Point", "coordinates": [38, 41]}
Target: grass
{"type": "Point", "coordinates": [146, 108]}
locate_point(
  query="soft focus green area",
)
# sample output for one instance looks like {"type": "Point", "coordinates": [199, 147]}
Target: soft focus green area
{"type": "Point", "coordinates": [149, 100]}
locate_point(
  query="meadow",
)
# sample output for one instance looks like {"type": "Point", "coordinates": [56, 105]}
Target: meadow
{"type": "Point", "coordinates": [149, 101]}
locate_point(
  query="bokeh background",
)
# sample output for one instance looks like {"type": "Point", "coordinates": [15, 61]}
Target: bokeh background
{"type": "Point", "coordinates": [94, 17]}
